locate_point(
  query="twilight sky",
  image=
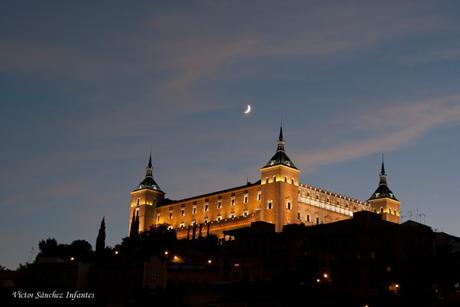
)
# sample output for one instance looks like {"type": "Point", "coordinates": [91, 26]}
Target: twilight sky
{"type": "Point", "coordinates": [87, 90]}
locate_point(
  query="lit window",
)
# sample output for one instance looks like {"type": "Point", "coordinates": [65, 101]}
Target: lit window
{"type": "Point", "coordinates": [182, 225]}
{"type": "Point", "coordinates": [269, 204]}
{"type": "Point", "coordinates": [219, 218]}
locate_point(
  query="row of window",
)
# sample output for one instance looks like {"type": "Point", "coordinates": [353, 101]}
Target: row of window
{"type": "Point", "coordinates": [390, 211]}
{"type": "Point", "coordinates": [153, 202]}
{"type": "Point", "coordinates": [206, 205]}
{"type": "Point", "coordinates": [274, 179]}
{"type": "Point", "coordinates": [206, 209]}
{"type": "Point", "coordinates": [270, 204]}
{"type": "Point", "coordinates": [326, 206]}
{"type": "Point", "coordinates": [328, 200]}
{"type": "Point", "coordinates": [219, 218]}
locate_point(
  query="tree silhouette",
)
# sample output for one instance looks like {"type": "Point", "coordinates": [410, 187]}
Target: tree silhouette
{"type": "Point", "coordinates": [79, 249]}
{"type": "Point", "coordinates": [134, 231]}
{"type": "Point", "coordinates": [48, 247]}
{"type": "Point", "coordinates": [148, 243]}
{"type": "Point", "coordinates": [100, 241]}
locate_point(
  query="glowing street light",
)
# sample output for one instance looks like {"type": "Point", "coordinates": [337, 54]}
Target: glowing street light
{"type": "Point", "coordinates": [394, 287]}
{"type": "Point", "coordinates": [209, 261]}
{"type": "Point", "coordinates": [72, 258]}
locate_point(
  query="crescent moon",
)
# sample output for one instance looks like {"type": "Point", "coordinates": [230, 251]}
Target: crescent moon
{"type": "Point", "coordinates": [248, 110]}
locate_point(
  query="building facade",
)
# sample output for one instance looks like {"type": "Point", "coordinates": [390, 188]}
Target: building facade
{"type": "Point", "coordinates": [278, 198]}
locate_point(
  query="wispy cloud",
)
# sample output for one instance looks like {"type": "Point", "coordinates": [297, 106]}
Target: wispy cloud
{"type": "Point", "coordinates": [448, 53]}
{"type": "Point", "coordinates": [387, 128]}
{"type": "Point", "coordinates": [197, 50]}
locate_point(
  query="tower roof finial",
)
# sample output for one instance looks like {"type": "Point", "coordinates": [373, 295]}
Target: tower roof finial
{"type": "Point", "coordinates": [148, 181]}
{"type": "Point", "coordinates": [383, 191]}
{"type": "Point", "coordinates": [280, 156]}
{"type": "Point", "coordinates": [382, 169]}
{"type": "Point", "coordinates": [280, 137]}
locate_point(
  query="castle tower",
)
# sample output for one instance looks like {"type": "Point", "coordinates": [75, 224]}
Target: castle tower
{"type": "Point", "coordinates": [383, 199]}
{"type": "Point", "coordinates": [279, 187]}
{"type": "Point", "coordinates": [144, 199]}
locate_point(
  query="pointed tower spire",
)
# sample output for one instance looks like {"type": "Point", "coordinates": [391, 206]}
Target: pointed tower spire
{"type": "Point", "coordinates": [383, 175]}
{"type": "Point", "coordinates": [280, 156]}
{"type": "Point", "coordinates": [382, 170]}
{"type": "Point", "coordinates": [383, 191]}
{"type": "Point", "coordinates": [149, 169]}
{"type": "Point", "coordinates": [280, 141]}
{"type": "Point", "coordinates": [149, 182]}
{"type": "Point", "coordinates": [280, 138]}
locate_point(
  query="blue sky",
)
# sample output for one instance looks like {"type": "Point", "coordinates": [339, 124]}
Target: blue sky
{"type": "Point", "coordinates": [87, 90]}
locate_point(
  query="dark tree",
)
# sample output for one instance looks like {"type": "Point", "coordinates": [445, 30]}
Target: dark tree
{"type": "Point", "coordinates": [100, 241]}
{"type": "Point", "coordinates": [148, 243]}
{"type": "Point", "coordinates": [78, 248]}
{"type": "Point", "coordinates": [134, 231]}
{"type": "Point", "coordinates": [48, 247]}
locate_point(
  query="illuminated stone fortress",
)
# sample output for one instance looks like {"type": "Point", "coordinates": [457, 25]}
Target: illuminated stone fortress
{"type": "Point", "coordinates": [278, 198]}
